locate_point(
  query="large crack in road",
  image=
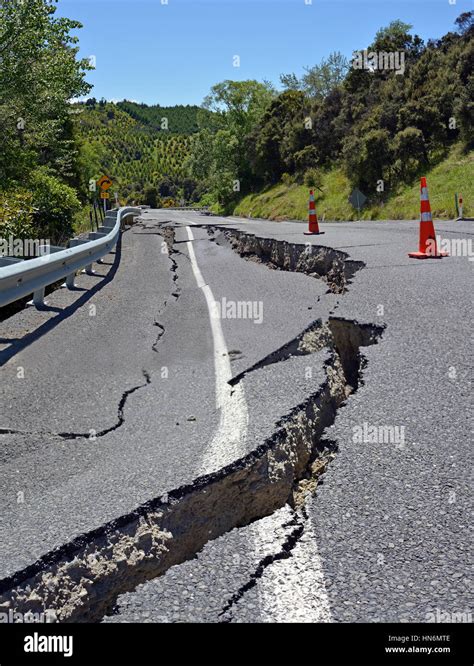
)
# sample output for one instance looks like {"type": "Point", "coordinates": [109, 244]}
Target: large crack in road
{"type": "Point", "coordinates": [82, 580]}
{"type": "Point", "coordinates": [333, 266]}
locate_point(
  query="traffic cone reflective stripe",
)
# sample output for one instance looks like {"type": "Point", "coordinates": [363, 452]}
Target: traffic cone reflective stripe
{"type": "Point", "coordinates": [313, 227]}
{"type": "Point", "coordinates": [427, 246]}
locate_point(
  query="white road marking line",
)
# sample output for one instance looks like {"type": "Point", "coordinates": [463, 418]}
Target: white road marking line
{"type": "Point", "coordinates": [228, 442]}
{"type": "Point", "coordinates": [293, 590]}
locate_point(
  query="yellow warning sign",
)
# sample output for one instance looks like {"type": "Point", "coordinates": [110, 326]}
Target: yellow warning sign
{"type": "Point", "coordinates": [104, 195]}
{"type": "Point", "coordinates": [104, 183]}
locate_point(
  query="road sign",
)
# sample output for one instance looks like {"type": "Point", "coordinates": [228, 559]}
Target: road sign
{"type": "Point", "coordinates": [104, 195]}
{"type": "Point", "coordinates": [357, 199]}
{"type": "Point", "coordinates": [104, 183]}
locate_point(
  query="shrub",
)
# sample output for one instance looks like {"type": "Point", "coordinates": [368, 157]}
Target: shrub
{"type": "Point", "coordinates": [313, 178]}
{"type": "Point", "coordinates": [135, 199]}
{"type": "Point", "coordinates": [55, 206]}
{"type": "Point", "coordinates": [16, 215]}
{"type": "Point", "coordinates": [306, 158]}
{"type": "Point", "coordinates": [208, 199]}
{"type": "Point", "coordinates": [166, 187]}
{"type": "Point", "coordinates": [287, 179]}
{"type": "Point", "coordinates": [366, 159]}
{"type": "Point", "coordinates": [150, 197]}
{"type": "Point", "coordinates": [409, 152]}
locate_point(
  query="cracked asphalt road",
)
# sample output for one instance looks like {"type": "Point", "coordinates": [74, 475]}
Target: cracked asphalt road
{"type": "Point", "coordinates": [60, 476]}
{"type": "Point", "coordinates": [385, 537]}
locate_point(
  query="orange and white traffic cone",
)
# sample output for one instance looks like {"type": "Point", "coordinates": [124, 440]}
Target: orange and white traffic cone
{"type": "Point", "coordinates": [427, 246]}
{"type": "Point", "coordinates": [313, 229]}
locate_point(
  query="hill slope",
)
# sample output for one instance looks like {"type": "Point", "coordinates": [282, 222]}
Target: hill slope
{"type": "Point", "coordinates": [179, 119]}
{"type": "Point", "coordinates": [290, 200]}
{"type": "Point", "coordinates": [133, 152]}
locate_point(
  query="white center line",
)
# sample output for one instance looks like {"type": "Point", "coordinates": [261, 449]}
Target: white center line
{"type": "Point", "coordinates": [229, 441]}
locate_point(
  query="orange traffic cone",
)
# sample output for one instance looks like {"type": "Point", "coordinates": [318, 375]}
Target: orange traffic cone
{"type": "Point", "coordinates": [427, 247]}
{"type": "Point", "coordinates": [312, 218]}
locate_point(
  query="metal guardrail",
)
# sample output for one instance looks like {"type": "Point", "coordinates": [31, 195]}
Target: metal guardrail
{"type": "Point", "coordinates": [198, 208]}
{"type": "Point", "coordinates": [204, 210]}
{"type": "Point", "coordinates": [20, 278]}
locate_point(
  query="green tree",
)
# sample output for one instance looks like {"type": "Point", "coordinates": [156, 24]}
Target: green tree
{"type": "Point", "coordinates": [150, 197]}
{"type": "Point", "coordinates": [236, 108]}
{"type": "Point", "coordinates": [55, 205]}
{"type": "Point", "coordinates": [318, 81]}
{"type": "Point", "coordinates": [39, 74]}
{"type": "Point", "coordinates": [240, 104]}
{"type": "Point", "coordinates": [265, 144]}
{"type": "Point", "coordinates": [409, 151]}
{"type": "Point", "coordinates": [368, 159]}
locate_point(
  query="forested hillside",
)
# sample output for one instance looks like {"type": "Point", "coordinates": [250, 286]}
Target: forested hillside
{"type": "Point", "coordinates": [174, 119]}
{"type": "Point", "coordinates": [144, 161]}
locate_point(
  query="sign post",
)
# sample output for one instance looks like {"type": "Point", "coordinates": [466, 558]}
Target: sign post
{"type": "Point", "coordinates": [357, 199]}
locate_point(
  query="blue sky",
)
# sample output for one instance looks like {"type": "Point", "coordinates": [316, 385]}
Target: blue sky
{"type": "Point", "coordinates": [173, 53]}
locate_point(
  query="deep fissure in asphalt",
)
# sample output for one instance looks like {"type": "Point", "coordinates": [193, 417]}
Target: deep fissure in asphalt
{"type": "Point", "coordinates": [318, 261]}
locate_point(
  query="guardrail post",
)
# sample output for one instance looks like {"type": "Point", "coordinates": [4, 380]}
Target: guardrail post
{"type": "Point", "coordinates": [70, 281]}
{"type": "Point", "coordinates": [38, 298]}
{"type": "Point", "coordinates": [88, 270]}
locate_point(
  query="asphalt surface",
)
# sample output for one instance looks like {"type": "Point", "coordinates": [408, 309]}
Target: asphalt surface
{"type": "Point", "coordinates": [386, 536]}
{"type": "Point", "coordinates": [93, 437]}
